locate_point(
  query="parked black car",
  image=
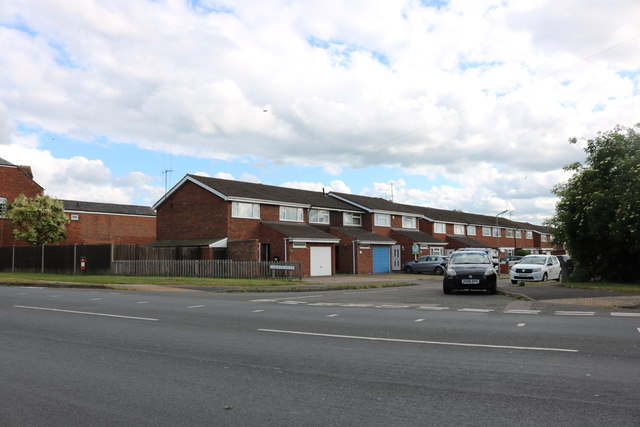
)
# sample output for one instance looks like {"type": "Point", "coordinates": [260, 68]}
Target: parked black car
{"type": "Point", "coordinates": [427, 264]}
{"type": "Point", "coordinates": [470, 270]}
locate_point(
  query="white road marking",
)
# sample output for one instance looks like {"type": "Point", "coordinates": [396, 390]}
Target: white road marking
{"type": "Point", "coordinates": [264, 300]}
{"type": "Point", "coordinates": [257, 311]}
{"type": "Point", "coordinates": [521, 324]}
{"type": "Point", "coordinates": [333, 315]}
{"type": "Point", "coordinates": [476, 310]}
{"type": "Point", "coordinates": [32, 287]}
{"type": "Point", "coordinates": [428, 307]}
{"type": "Point", "coordinates": [618, 314]}
{"type": "Point", "coordinates": [522, 311]}
{"type": "Point", "coordinates": [392, 306]}
{"type": "Point", "coordinates": [326, 304]}
{"type": "Point", "coordinates": [638, 329]}
{"type": "Point", "coordinates": [575, 313]}
{"type": "Point", "coordinates": [354, 337]}
{"type": "Point", "coordinates": [142, 302]}
{"type": "Point", "coordinates": [292, 302]}
{"type": "Point", "coordinates": [355, 305]}
{"type": "Point", "coordinates": [195, 306]}
{"type": "Point", "coordinates": [85, 313]}
{"type": "Point", "coordinates": [96, 299]}
{"type": "Point", "coordinates": [419, 320]}
{"type": "Point", "coordinates": [370, 292]}
{"type": "Point", "coordinates": [288, 298]}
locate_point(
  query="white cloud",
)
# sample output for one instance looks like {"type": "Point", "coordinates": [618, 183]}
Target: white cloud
{"type": "Point", "coordinates": [481, 93]}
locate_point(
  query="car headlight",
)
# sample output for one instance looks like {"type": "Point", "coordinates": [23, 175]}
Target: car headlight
{"type": "Point", "coordinates": [451, 271]}
{"type": "Point", "coordinates": [489, 272]}
{"type": "Point", "coordinates": [537, 270]}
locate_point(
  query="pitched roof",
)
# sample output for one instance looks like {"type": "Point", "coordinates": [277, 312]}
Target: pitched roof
{"type": "Point", "coordinates": [4, 162]}
{"type": "Point", "coordinates": [364, 236]}
{"type": "Point", "coordinates": [418, 236]}
{"type": "Point", "coordinates": [469, 242]}
{"type": "Point", "coordinates": [300, 232]}
{"type": "Point", "coordinates": [110, 208]}
{"type": "Point", "coordinates": [374, 203]}
{"type": "Point", "coordinates": [239, 190]}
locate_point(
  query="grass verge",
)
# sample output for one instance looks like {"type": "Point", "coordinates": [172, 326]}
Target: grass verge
{"type": "Point", "coordinates": [136, 280]}
{"type": "Point", "coordinates": [619, 287]}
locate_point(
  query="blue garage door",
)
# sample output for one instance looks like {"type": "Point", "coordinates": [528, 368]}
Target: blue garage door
{"type": "Point", "coordinates": [380, 259]}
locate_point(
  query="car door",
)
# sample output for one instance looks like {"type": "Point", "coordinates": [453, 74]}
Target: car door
{"type": "Point", "coordinates": [420, 264]}
{"type": "Point", "coordinates": [557, 268]}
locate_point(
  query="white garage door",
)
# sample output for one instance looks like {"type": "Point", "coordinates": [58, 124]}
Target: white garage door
{"type": "Point", "coordinates": [320, 261]}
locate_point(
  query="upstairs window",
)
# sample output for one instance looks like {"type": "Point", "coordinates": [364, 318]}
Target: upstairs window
{"type": "Point", "coordinates": [439, 227]}
{"type": "Point", "coordinates": [245, 210]}
{"type": "Point", "coordinates": [408, 222]}
{"type": "Point", "coordinates": [543, 238]}
{"type": "Point", "coordinates": [318, 216]}
{"type": "Point", "coordinates": [496, 232]}
{"type": "Point", "coordinates": [471, 230]}
{"type": "Point", "coordinates": [349, 218]}
{"type": "Point", "coordinates": [529, 235]}
{"type": "Point", "coordinates": [486, 231]}
{"type": "Point", "coordinates": [518, 234]}
{"type": "Point", "coordinates": [3, 207]}
{"type": "Point", "coordinates": [382, 220]}
{"type": "Point", "coordinates": [288, 213]}
{"type": "Point", "coordinates": [458, 229]}
{"type": "Point", "coordinates": [509, 232]}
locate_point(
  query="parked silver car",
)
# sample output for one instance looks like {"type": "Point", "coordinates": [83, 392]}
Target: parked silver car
{"type": "Point", "coordinates": [427, 264]}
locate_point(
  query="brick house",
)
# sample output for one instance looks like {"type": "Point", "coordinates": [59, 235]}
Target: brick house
{"type": "Point", "coordinates": [97, 223]}
{"type": "Point", "coordinates": [90, 222]}
{"type": "Point", "coordinates": [14, 180]}
{"type": "Point", "coordinates": [254, 222]}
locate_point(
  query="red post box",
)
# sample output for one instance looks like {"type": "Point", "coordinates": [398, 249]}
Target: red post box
{"type": "Point", "coordinates": [83, 263]}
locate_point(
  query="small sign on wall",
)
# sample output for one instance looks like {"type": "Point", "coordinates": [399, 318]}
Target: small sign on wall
{"type": "Point", "coordinates": [415, 249]}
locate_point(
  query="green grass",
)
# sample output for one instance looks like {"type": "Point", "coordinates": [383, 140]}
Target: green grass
{"type": "Point", "coordinates": [137, 280]}
{"type": "Point", "coordinates": [620, 287]}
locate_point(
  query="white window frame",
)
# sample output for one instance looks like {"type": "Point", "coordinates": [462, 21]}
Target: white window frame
{"type": "Point", "coordinates": [529, 235]}
{"type": "Point", "coordinates": [365, 246]}
{"type": "Point", "coordinates": [319, 216]}
{"type": "Point", "coordinates": [439, 228]}
{"type": "Point", "coordinates": [290, 213]}
{"type": "Point", "coordinates": [518, 234]}
{"type": "Point", "coordinates": [471, 230]}
{"type": "Point", "coordinates": [382, 220]}
{"type": "Point", "coordinates": [351, 219]}
{"type": "Point", "coordinates": [458, 229]}
{"type": "Point", "coordinates": [299, 245]}
{"type": "Point", "coordinates": [486, 231]}
{"type": "Point", "coordinates": [424, 246]}
{"type": "Point", "coordinates": [3, 207]}
{"type": "Point", "coordinates": [497, 232]}
{"type": "Point", "coordinates": [75, 217]}
{"type": "Point", "coordinates": [409, 222]}
{"type": "Point", "coordinates": [509, 232]}
{"type": "Point", "coordinates": [437, 250]}
{"type": "Point", "coordinates": [236, 210]}
{"type": "Point", "coordinates": [543, 238]}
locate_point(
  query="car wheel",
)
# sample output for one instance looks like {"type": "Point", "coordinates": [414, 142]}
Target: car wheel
{"type": "Point", "coordinates": [438, 270]}
{"type": "Point", "coordinates": [408, 270]}
{"type": "Point", "coordinates": [558, 278]}
{"type": "Point", "coordinates": [446, 289]}
{"type": "Point", "coordinates": [545, 277]}
{"type": "Point", "coordinates": [514, 282]}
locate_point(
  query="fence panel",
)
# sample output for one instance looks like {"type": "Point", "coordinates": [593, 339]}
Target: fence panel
{"type": "Point", "coordinates": [209, 268]}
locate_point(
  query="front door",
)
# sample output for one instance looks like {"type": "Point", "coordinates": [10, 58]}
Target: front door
{"type": "Point", "coordinates": [396, 264]}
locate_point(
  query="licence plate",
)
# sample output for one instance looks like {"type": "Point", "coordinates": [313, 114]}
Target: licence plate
{"type": "Point", "coordinates": [470, 281]}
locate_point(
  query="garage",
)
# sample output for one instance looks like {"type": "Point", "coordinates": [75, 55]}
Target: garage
{"type": "Point", "coordinates": [381, 259]}
{"type": "Point", "coordinates": [320, 261]}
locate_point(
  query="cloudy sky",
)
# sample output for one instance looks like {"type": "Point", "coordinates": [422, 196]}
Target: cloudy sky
{"type": "Point", "coordinates": [461, 104]}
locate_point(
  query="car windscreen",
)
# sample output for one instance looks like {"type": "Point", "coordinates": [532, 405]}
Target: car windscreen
{"type": "Point", "coordinates": [469, 258]}
{"type": "Point", "coordinates": [536, 260]}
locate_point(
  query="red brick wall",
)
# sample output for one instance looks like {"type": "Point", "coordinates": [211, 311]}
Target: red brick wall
{"type": "Point", "coordinates": [193, 212]}
{"type": "Point", "coordinates": [406, 245]}
{"type": "Point", "coordinates": [91, 229]}
{"type": "Point", "coordinates": [243, 250]}
{"type": "Point", "coordinates": [14, 182]}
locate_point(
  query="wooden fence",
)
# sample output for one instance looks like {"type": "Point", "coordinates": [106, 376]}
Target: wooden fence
{"type": "Point", "coordinates": [221, 268]}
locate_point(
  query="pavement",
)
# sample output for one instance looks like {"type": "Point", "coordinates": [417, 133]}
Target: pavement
{"type": "Point", "coordinates": [548, 292]}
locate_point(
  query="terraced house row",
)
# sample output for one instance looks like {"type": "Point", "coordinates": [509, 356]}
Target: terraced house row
{"type": "Point", "coordinates": [327, 232]}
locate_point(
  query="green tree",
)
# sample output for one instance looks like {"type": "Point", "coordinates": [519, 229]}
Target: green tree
{"type": "Point", "coordinates": [597, 218]}
{"type": "Point", "coordinates": [39, 220]}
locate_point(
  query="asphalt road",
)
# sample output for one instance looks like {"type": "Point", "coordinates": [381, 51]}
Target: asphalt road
{"type": "Point", "coordinates": [89, 357]}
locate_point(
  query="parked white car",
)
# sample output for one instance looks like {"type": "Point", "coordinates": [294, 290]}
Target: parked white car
{"type": "Point", "coordinates": [536, 268]}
